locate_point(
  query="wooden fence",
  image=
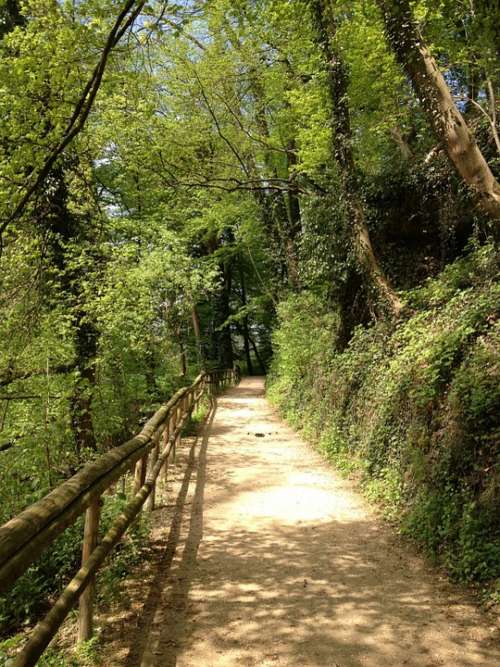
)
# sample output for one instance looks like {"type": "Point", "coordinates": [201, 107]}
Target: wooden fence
{"type": "Point", "coordinates": [25, 537]}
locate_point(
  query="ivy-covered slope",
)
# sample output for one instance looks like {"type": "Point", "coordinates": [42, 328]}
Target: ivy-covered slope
{"type": "Point", "coordinates": [414, 410]}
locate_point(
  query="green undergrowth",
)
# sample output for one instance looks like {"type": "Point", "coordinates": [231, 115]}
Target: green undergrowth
{"type": "Point", "coordinates": [85, 654]}
{"type": "Point", "coordinates": [37, 589]}
{"type": "Point", "coordinates": [197, 418]}
{"type": "Point", "coordinates": [412, 410]}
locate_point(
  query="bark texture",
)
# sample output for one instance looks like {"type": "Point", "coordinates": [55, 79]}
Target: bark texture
{"type": "Point", "coordinates": [195, 318]}
{"type": "Point", "coordinates": [222, 312]}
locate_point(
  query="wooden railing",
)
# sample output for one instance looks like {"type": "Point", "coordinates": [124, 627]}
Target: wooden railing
{"type": "Point", "coordinates": [25, 537]}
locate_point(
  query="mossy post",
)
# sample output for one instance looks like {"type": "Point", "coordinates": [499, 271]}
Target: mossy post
{"type": "Point", "coordinates": [166, 438]}
{"type": "Point", "coordinates": [155, 453]}
{"type": "Point", "coordinates": [86, 604]}
{"type": "Point", "coordinates": [140, 473]}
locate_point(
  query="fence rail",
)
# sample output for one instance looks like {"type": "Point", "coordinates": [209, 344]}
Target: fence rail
{"type": "Point", "coordinates": [25, 537]}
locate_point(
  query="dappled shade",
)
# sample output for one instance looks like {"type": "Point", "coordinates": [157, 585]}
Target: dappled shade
{"type": "Point", "coordinates": [273, 559]}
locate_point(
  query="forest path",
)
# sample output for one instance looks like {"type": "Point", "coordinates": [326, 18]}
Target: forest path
{"type": "Point", "coordinates": [270, 558]}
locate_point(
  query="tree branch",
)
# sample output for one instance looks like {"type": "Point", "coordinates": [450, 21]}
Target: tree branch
{"type": "Point", "coordinates": [9, 376]}
{"type": "Point", "coordinates": [82, 109]}
{"type": "Point", "coordinates": [181, 30]}
{"type": "Point", "coordinates": [217, 125]}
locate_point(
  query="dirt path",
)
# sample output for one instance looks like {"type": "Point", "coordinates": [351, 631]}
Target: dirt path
{"type": "Point", "coordinates": [272, 559]}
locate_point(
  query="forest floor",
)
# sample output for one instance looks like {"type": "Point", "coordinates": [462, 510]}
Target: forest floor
{"type": "Point", "coordinates": [264, 556]}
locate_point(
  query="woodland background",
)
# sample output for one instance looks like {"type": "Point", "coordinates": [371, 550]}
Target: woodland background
{"type": "Point", "coordinates": [280, 184]}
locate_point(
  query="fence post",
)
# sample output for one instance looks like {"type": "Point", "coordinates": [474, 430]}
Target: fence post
{"type": "Point", "coordinates": [86, 603]}
{"type": "Point", "coordinates": [155, 453]}
{"type": "Point", "coordinates": [180, 415]}
{"type": "Point", "coordinates": [140, 473]}
{"type": "Point", "coordinates": [166, 438]}
{"type": "Point", "coordinates": [174, 429]}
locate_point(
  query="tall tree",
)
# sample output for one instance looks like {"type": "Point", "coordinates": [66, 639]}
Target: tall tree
{"type": "Point", "coordinates": [66, 236]}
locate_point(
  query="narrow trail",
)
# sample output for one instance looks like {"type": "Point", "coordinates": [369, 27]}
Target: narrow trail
{"type": "Point", "coordinates": [270, 558]}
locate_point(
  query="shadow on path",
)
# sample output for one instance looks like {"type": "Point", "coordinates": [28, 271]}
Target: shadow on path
{"type": "Point", "coordinates": [148, 641]}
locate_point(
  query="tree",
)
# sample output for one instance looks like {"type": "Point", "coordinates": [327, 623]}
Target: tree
{"type": "Point", "coordinates": [342, 150]}
{"type": "Point", "coordinates": [444, 117]}
{"type": "Point", "coordinates": [37, 176]}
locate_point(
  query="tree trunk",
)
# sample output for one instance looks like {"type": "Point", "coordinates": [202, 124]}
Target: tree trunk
{"type": "Point", "coordinates": [342, 150]}
{"type": "Point", "coordinates": [245, 328]}
{"type": "Point", "coordinates": [66, 229]}
{"type": "Point", "coordinates": [401, 143]}
{"type": "Point", "coordinates": [183, 356]}
{"type": "Point", "coordinates": [257, 354]}
{"type": "Point", "coordinates": [149, 360]}
{"type": "Point", "coordinates": [83, 390]}
{"type": "Point", "coordinates": [224, 343]}
{"type": "Point", "coordinates": [294, 217]}
{"type": "Point", "coordinates": [197, 335]}
{"type": "Point", "coordinates": [281, 211]}
{"type": "Point", "coordinates": [221, 342]}
{"type": "Point", "coordinates": [446, 120]}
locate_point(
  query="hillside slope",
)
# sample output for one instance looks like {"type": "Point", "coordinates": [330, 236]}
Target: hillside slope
{"type": "Point", "coordinates": [413, 409]}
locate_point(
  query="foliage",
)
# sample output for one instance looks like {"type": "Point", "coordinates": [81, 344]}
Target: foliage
{"type": "Point", "coordinates": [203, 192]}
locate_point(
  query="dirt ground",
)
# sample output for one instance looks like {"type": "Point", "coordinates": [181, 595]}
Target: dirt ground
{"type": "Point", "coordinates": [263, 555]}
